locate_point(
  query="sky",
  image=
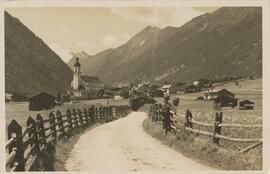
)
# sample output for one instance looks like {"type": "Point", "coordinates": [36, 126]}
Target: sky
{"type": "Point", "coordinates": [94, 29]}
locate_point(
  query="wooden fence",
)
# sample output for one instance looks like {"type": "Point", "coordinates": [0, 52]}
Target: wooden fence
{"type": "Point", "coordinates": [30, 142]}
{"type": "Point", "coordinates": [155, 116]}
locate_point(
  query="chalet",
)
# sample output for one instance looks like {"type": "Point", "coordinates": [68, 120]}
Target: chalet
{"type": "Point", "coordinates": [168, 89]}
{"type": "Point", "coordinates": [246, 105]}
{"type": "Point", "coordinates": [117, 95]}
{"type": "Point", "coordinates": [210, 95]}
{"type": "Point", "coordinates": [192, 88]}
{"type": "Point", "coordinates": [41, 101]}
{"type": "Point", "coordinates": [84, 86]}
{"type": "Point", "coordinates": [225, 100]}
{"type": "Point", "coordinates": [157, 93]}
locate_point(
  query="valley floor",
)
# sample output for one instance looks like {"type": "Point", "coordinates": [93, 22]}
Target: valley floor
{"type": "Point", "coordinates": [124, 145]}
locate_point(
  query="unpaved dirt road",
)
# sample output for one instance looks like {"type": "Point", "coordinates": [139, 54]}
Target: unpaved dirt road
{"type": "Point", "coordinates": [124, 145]}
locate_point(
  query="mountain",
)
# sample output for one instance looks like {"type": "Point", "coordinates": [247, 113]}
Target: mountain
{"type": "Point", "coordinates": [30, 65]}
{"type": "Point", "coordinates": [223, 43]}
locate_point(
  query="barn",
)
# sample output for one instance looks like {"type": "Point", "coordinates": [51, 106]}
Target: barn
{"type": "Point", "coordinates": [41, 101]}
{"type": "Point", "coordinates": [246, 105]}
{"type": "Point", "coordinates": [212, 95]}
{"type": "Point", "coordinates": [157, 93]}
{"type": "Point", "coordinates": [224, 100]}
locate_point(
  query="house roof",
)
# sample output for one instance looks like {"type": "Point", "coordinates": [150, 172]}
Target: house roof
{"type": "Point", "coordinates": [222, 91]}
{"type": "Point", "coordinates": [166, 86]}
{"type": "Point", "coordinates": [40, 93]}
{"type": "Point", "coordinates": [246, 102]}
{"type": "Point", "coordinates": [92, 79]}
{"type": "Point", "coordinates": [225, 96]}
{"type": "Point", "coordinates": [155, 90]}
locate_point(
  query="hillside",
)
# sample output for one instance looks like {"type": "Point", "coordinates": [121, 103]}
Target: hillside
{"type": "Point", "coordinates": [223, 43]}
{"type": "Point", "coordinates": [30, 65]}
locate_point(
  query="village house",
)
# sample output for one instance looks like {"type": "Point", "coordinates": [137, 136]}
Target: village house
{"type": "Point", "coordinates": [192, 88]}
{"type": "Point", "coordinates": [157, 93]}
{"type": "Point", "coordinates": [168, 89]}
{"type": "Point", "coordinates": [210, 95]}
{"type": "Point", "coordinates": [246, 105]}
{"type": "Point", "coordinates": [41, 101]}
{"type": "Point", "coordinates": [84, 86]}
{"type": "Point", "coordinates": [225, 100]}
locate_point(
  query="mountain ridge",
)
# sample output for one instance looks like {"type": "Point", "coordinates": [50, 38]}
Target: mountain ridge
{"type": "Point", "coordinates": [225, 42]}
{"type": "Point", "coordinates": [30, 65]}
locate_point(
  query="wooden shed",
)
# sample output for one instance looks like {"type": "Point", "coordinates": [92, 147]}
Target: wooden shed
{"type": "Point", "coordinates": [213, 95]}
{"type": "Point", "coordinates": [224, 100]}
{"type": "Point", "coordinates": [246, 105]}
{"type": "Point", "coordinates": [41, 101]}
{"type": "Point", "coordinates": [157, 93]}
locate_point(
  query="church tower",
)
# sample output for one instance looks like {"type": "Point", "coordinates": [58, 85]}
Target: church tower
{"type": "Point", "coordinates": [76, 74]}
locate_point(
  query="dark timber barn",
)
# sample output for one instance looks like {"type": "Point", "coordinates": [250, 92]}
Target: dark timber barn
{"type": "Point", "coordinates": [246, 105]}
{"type": "Point", "coordinates": [226, 101]}
{"type": "Point", "coordinates": [41, 101]}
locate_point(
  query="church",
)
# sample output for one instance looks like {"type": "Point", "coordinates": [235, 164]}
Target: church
{"type": "Point", "coordinates": [83, 86]}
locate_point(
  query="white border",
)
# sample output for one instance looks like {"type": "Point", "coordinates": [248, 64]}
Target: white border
{"type": "Point", "coordinates": [141, 3]}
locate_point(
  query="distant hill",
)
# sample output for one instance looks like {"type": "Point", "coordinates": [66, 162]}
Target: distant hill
{"type": "Point", "coordinates": [30, 65]}
{"type": "Point", "coordinates": [226, 42]}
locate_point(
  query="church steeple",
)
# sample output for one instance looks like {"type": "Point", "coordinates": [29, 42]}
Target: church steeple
{"type": "Point", "coordinates": [77, 74]}
{"type": "Point", "coordinates": [77, 64]}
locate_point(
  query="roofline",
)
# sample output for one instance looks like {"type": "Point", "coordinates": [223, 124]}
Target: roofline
{"type": "Point", "coordinates": [39, 94]}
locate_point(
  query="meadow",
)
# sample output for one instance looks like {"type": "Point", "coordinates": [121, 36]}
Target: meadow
{"type": "Point", "coordinates": [204, 111]}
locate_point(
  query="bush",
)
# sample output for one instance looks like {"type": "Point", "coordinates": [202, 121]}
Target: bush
{"type": "Point", "coordinates": [176, 101]}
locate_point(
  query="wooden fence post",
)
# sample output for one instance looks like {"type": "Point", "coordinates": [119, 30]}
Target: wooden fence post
{"type": "Point", "coordinates": [110, 112]}
{"type": "Point", "coordinates": [100, 112]}
{"type": "Point", "coordinates": [105, 112]}
{"type": "Point", "coordinates": [33, 133]}
{"type": "Point", "coordinates": [159, 113]}
{"type": "Point", "coordinates": [15, 131]}
{"type": "Point", "coordinates": [188, 122]}
{"type": "Point", "coordinates": [217, 128]}
{"type": "Point", "coordinates": [120, 111]}
{"type": "Point", "coordinates": [60, 122]}
{"type": "Point", "coordinates": [96, 113]}
{"type": "Point", "coordinates": [90, 114]}
{"type": "Point", "coordinates": [153, 113]}
{"type": "Point", "coordinates": [75, 118]}
{"type": "Point", "coordinates": [80, 116]}
{"type": "Point", "coordinates": [92, 110]}
{"type": "Point", "coordinates": [69, 120]}
{"type": "Point", "coordinates": [40, 131]}
{"type": "Point", "coordinates": [53, 126]}
{"type": "Point", "coordinates": [150, 112]}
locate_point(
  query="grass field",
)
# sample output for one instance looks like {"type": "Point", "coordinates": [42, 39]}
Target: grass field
{"type": "Point", "coordinates": [204, 111]}
{"type": "Point", "coordinates": [20, 112]}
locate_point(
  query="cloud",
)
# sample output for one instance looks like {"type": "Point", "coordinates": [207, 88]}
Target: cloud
{"type": "Point", "coordinates": [110, 40]}
{"type": "Point", "coordinates": [63, 53]}
{"type": "Point", "coordinates": [157, 16]}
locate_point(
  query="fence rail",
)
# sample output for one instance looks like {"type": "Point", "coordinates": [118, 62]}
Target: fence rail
{"type": "Point", "coordinates": [155, 115]}
{"type": "Point", "coordinates": [22, 144]}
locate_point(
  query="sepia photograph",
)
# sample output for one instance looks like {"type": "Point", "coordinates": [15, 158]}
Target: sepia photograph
{"type": "Point", "coordinates": [133, 88]}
